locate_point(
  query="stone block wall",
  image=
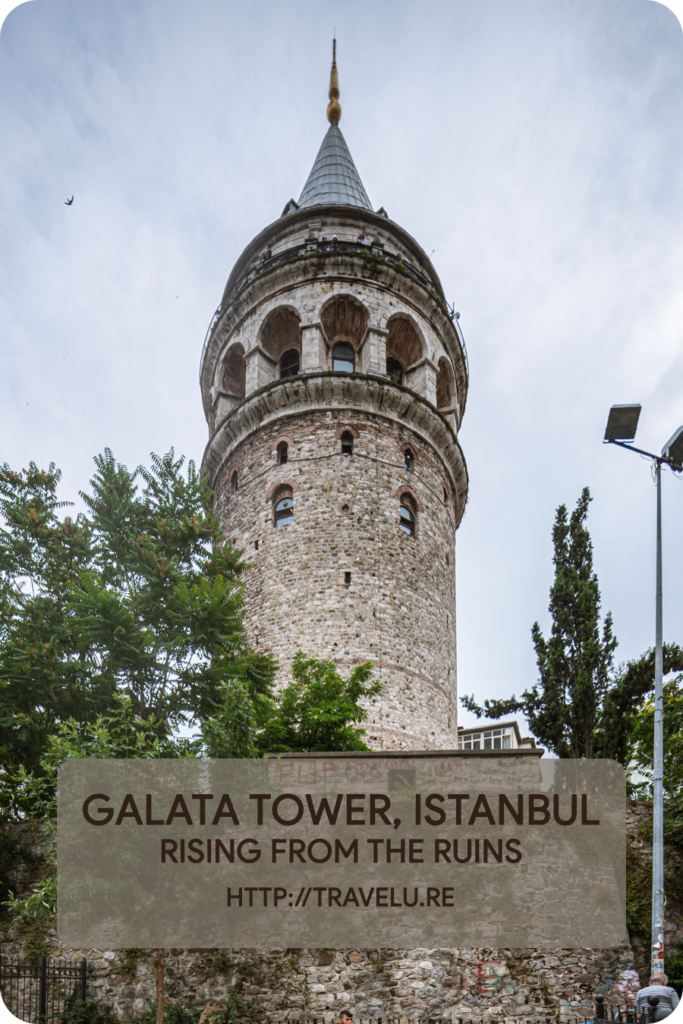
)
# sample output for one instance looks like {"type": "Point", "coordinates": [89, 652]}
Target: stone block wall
{"type": "Point", "coordinates": [343, 581]}
{"type": "Point", "coordinates": [486, 984]}
{"type": "Point", "coordinates": [284, 985]}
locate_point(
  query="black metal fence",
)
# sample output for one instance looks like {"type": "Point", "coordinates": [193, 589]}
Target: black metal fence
{"type": "Point", "coordinates": [41, 992]}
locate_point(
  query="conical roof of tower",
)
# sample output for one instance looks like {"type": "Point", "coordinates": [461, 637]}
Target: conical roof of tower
{"type": "Point", "coordinates": [334, 180]}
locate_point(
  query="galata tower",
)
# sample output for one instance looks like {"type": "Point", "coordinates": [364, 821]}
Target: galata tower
{"type": "Point", "coordinates": [334, 381]}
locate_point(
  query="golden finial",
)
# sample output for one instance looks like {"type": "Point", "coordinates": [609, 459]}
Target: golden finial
{"type": "Point", "coordinates": [334, 106]}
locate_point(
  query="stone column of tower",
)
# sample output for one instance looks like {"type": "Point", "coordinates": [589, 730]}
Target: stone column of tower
{"type": "Point", "coordinates": [334, 381]}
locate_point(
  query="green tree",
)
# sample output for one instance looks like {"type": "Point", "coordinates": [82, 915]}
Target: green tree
{"type": "Point", "coordinates": [316, 711]}
{"type": "Point", "coordinates": [580, 706]}
{"type": "Point", "coordinates": [32, 793]}
{"type": "Point", "coordinates": [42, 678]}
{"type": "Point", "coordinates": [139, 596]}
{"type": "Point", "coordinates": [641, 751]}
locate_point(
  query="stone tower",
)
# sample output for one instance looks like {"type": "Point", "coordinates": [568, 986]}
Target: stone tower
{"type": "Point", "coordinates": [334, 381]}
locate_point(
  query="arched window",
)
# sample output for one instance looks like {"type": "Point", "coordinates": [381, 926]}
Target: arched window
{"type": "Point", "coordinates": [407, 520]}
{"type": "Point", "coordinates": [347, 443]}
{"type": "Point", "coordinates": [444, 385]}
{"type": "Point", "coordinates": [282, 453]}
{"type": "Point", "coordinates": [408, 460]}
{"type": "Point", "coordinates": [234, 372]}
{"type": "Point", "coordinates": [403, 341]}
{"type": "Point", "coordinates": [394, 370]}
{"type": "Point", "coordinates": [289, 364]}
{"type": "Point", "coordinates": [280, 335]}
{"type": "Point", "coordinates": [233, 482]}
{"type": "Point", "coordinates": [343, 356]}
{"type": "Point", "coordinates": [284, 511]}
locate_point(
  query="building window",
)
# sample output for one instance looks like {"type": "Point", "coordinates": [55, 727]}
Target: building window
{"type": "Point", "coordinates": [282, 453]}
{"type": "Point", "coordinates": [284, 512]}
{"type": "Point", "coordinates": [343, 357]}
{"type": "Point", "coordinates": [408, 460]}
{"type": "Point", "coordinates": [347, 443]}
{"type": "Point", "coordinates": [407, 520]}
{"type": "Point", "coordinates": [233, 482]}
{"type": "Point", "coordinates": [395, 371]}
{"type": "Point", "coordinates": [289, 364]}
{"type": "Point", "coordinates": [347, 579]}
{"type": "Point", "coordinates": [491, 739]}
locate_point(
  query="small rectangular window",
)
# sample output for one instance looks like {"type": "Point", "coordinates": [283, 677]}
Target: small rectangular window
{"type": "Point", "coordinates": [347, 579]}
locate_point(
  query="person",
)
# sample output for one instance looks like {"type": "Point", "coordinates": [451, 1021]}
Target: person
{"type": "Point", "coordinates": [668, 998]}
{"type": "Point", "coordinates": [346, 1017]}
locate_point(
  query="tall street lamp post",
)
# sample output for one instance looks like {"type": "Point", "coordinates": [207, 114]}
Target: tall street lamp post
{"type": "Point", "coordinates": [621, 427]}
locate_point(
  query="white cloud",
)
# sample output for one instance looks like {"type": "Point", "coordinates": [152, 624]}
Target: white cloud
{"type": "Point", "coordinates": [536, 147]}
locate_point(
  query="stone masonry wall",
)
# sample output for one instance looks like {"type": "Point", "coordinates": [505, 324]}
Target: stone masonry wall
{"type": "Point", "coordinates": [397, 607]}
{"type": "Point", "coordinates": [483, 984]}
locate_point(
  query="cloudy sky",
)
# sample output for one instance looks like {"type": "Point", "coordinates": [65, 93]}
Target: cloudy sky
{"type": "Point", "coordinates": [534, 145]}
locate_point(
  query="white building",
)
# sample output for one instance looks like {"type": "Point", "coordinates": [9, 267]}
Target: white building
{"type": "Point", "coordinates": [496, 736]}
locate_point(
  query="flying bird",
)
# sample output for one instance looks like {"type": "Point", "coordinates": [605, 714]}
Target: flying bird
{"type": "Point", "coordinates": [68, 202]}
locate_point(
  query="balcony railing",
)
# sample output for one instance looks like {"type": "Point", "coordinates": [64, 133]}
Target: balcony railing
{"type": "Point", "coordinates": [374, 255]}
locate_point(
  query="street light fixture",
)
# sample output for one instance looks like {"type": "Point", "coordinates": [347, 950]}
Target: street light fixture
{"type": "Point", "coordinates": [621, 427]}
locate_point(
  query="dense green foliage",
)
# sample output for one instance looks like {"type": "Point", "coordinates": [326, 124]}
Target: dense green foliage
{"type": "Point", "coordinates": [641, 750]}
{"type": "Point", "coordinates": [581, 706]}
{"type": "Point", "coordinates": [140, 596]}
{"type": "Point", "coordinates": [122, 623]}
{"type": "Point", "coordinates": [318, 710]}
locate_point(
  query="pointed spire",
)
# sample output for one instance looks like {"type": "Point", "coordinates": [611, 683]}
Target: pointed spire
{"type": "Point", "coordinates": [334, 180]}
{"type": "Point", "coordinates": [334, 106]}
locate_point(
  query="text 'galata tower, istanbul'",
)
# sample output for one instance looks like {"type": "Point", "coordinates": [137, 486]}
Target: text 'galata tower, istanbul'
{"type": "Point", "coordinates": [334, 381]}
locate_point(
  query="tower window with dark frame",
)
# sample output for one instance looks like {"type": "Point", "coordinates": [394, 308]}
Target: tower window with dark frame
{"type": "Point", "coordinates": [284, 512]}
{"type": "Point", "coordinates": [408, 460]}
{"type": "Point", "coordinates": [347, 579]}
{"type": "Point", "coordinates": [394, 370]}
{"type": "Point", "coordinates": [233, 482]}
{"type": "Point", "coordinates": [406, 520]}
{"type": "Point", "coordinates": [347, 443]}
{"type": "Point", "coordinates": [343, 357]}
{"type": "Point", "coordinates": [282, 453]}
{"type": "Point", "coordinates": [289, 364]}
